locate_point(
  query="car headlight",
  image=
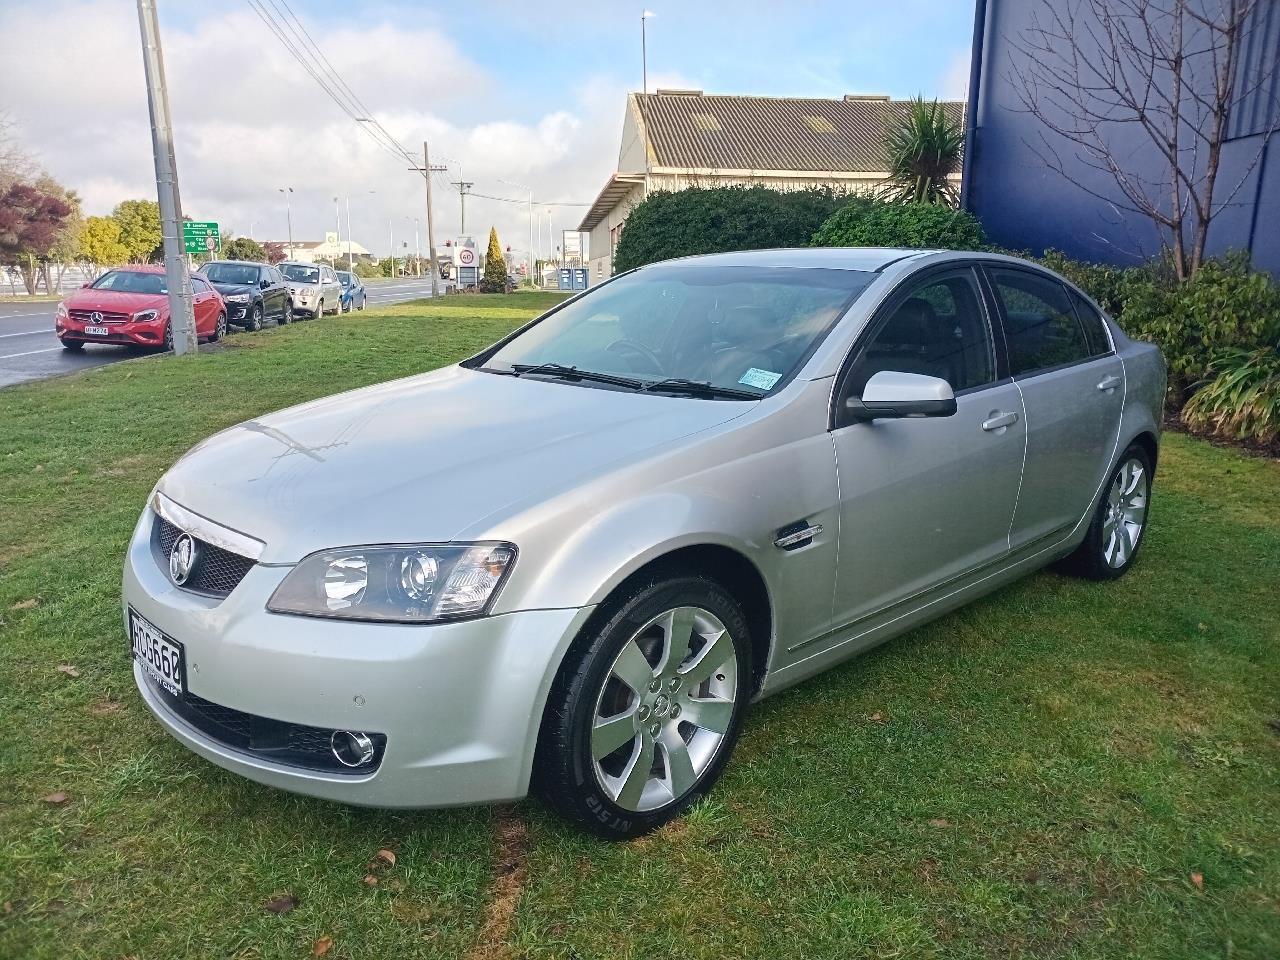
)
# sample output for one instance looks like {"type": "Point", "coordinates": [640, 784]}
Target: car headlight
{"type": "Point", "coordinates": [237, 298]}
{"type": "Point", "coordinates": [145, 316]}
{"type": "Point", "coordinates": [413, 583]}
{"type": "Point", "coordinates": [61, 312]}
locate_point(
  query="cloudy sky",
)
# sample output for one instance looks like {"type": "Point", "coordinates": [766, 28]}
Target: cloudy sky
{"type": "Point", "coordinates": [528, 94]}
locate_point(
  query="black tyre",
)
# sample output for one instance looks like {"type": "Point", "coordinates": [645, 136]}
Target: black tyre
{"type": "Point", "coordinates": [1118, 525]}
{"type": "Point", "coordinates": [647, 706]}
{"type": "Point", "coordinates": [254, 323]}
{"type": "Point", "coordinates": [75, 346]}
{"type": "Point", "coordinates": [219, 328]}
{"type": "Point", "coordinates": [168, 337]}
{"type": "Point", "coordinates": [287, 316]}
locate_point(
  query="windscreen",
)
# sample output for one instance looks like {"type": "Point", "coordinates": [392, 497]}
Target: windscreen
{"type": "Point", "coordinates": [739, 327]}
{"type": "Point", "coordinates": [231, 273]}
{"type": "Point", "coordinates": [300, 273]}
{"type": "Point", "coordinates": [129, 281]}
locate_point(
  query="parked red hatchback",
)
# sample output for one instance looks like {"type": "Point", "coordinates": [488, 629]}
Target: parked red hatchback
{"type": "Point", "coordinates": [131, 306]}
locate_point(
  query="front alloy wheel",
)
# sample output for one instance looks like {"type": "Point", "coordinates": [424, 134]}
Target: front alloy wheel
{"type": "Point", "coordinates": [647, 707]}
{"type": "Point", "coordinates": [255, 319]}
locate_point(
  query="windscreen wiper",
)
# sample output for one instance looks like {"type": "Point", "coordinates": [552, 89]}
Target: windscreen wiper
{"type": "Point", "coordinates": [573, 373]}
{"type": "Point", "coordinates": [699, 388]}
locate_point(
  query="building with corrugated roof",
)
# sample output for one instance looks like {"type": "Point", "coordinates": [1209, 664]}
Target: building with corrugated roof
{"type": "Point", "coordinates": [675, 139]}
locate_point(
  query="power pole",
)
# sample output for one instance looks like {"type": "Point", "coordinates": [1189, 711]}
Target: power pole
{"type": "Point", "coordinates": [463, 186]}
{"type": "Point", "coordinates": [426, 170]}
{"type": "Point", "coordinates": [182, 318]}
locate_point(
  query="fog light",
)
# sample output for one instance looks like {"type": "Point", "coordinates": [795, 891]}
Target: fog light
{"type": "Point", "coordinates": [351, 748]}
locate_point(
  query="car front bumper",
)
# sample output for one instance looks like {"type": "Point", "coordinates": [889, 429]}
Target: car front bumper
{"type": "Point", "coordinates": [149, 333]}
{"type": "Point", "coordinates": [459, 703]}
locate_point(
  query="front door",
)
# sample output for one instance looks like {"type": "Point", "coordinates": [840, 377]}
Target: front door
{"type": "Point", "coordinates": [923, 501]}
{"type": "Point", "coordinates": [1072, 387]}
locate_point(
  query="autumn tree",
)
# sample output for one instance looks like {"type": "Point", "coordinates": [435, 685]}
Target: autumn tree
{"type": "Point", "coordinates": [273, 251]}
{"type": "Point", "coordinates": [1104, 75]}
{"type": "Point", "coordinates": [100, 245]}
{"type": "Point", "coordinates": [139, 228]}
{"type": "Point", "coordinates": [33, 219]}
{"type": "Point", "coordinates": [495, 266]}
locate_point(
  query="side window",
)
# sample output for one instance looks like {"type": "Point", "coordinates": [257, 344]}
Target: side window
{"type": "Point", "coordinates": [1095, 332]}
{"type": "Point", "coordinates": [198, 284]}
{"type": "Point", "coordinates": [1040, 324]}
{"type": "Point", "coordinates": [939, 330]}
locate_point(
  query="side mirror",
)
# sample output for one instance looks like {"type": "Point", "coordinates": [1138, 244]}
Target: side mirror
{"type": "Point", "coordinates": [85, 286]}
{"type": "Point", "coordinates": [893, 395]}
{"type": "Point", "coordinates": [265, 282]}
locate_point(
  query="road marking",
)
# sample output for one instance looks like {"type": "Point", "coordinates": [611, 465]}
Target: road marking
{"type": "Point", "coordinates": [29, 353]}
{"type": "Point", "coordinates": [26, 333]}
{"type": "Point", "coordinates": [11, 316]}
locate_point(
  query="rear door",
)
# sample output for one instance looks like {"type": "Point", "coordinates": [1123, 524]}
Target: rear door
{"type": "Point", "coordinates": [206, 305]}
{"type": "Point", "coordinates": [1072, 387]}
{"type": "Point", "coordinates": [923, 501]}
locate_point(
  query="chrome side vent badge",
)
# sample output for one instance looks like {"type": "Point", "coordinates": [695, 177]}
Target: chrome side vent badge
{"type": "Point", "coordinates": [797, 535]}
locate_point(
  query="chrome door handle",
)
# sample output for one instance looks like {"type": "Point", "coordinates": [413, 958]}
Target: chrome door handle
{"type": "Point", "coordinates": [1109, 383]}
{"type": "Point", "coordinates": [999, 420]}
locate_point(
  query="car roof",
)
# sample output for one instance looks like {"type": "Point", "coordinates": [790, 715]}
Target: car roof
{"type": "Point", "coordinates": [243, 263]}
{"type": "Point", "coordinates": [837, 258]}
{"type": "Point", "coordinates": [138, 268]}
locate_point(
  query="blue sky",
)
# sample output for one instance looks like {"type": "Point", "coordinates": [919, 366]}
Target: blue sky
{"type": "Point", "coordinates": [507, 93]}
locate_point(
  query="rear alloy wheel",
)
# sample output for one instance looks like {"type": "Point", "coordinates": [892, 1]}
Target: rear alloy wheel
{"type": "Point", "coordinates": [319, 311]}
{"type": "Point", "coordinates": [1119, 522]}
{"type": "Point", "coordinates": [647, 708]}
{"type": "Point", "coordinates": [219, 328]}
{"type": "Point", "coordinates": [168, 337]}
{"type": "Point", "coordinates": [286, 317]}
{"type": "Point", "coordinates": [254, 323]}
{"type": "Point", "coordinates": [338, 312]}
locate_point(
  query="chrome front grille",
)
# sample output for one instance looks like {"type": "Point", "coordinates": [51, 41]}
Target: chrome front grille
{"type": "Point", "coordinates": [86, 316]}
{"type": "Point", "coordinates": [216, 572]}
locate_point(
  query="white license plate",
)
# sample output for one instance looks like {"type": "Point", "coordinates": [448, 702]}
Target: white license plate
{"type": "Point", "coordinates": [96, 331]}
{"type": "Point", "coordinates": [161, 656]}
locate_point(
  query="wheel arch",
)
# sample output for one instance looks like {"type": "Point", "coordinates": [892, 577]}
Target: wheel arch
{"type": "Point", "coordinates": [731, 569]}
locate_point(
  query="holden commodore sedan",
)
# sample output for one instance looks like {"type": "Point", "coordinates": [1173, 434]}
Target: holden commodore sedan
{"type": "Point", "coordinates": [570, 562]}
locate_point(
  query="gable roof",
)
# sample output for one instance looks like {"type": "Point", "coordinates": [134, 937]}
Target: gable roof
{"type": "Point", "coordinates": [692, 130]}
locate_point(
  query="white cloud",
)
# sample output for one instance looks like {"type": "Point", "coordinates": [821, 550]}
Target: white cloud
{"type": "Point", "coordinates": [249, 119]}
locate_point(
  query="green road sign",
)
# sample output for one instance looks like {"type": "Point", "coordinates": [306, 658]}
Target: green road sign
{"type": "Point", "coordinates": [200, 237]}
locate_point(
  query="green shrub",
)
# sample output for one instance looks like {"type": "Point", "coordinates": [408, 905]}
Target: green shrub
{"type": "Point", "coordinates": [719, 219]}
{"type": "Point", "coordinates": [1106, 283]}
{"type": "Point", "coordinates": [867, 222]}
{"type": "Point", "coordinates": [1242, 397]}
{"type": "Point", "coordinates": [1225, 306]}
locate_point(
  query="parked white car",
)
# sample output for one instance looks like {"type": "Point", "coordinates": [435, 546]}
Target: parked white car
{"type": "Point", "coordinates": [314, 287]}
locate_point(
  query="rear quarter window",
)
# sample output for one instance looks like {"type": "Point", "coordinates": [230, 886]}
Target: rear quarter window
{"type": "Point", "coordinates": [1095, 328]}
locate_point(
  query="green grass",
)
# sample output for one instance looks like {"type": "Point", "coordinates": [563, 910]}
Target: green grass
{"type": "Point", "coordinates": [1040, 774]}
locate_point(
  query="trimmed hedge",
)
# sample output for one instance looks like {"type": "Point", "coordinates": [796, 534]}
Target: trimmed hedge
{"type": "Point", "coordinates": [867, 222]}
{"type": "Point", "coordinates": [720, 219]}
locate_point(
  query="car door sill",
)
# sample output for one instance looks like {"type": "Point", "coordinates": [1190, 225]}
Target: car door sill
{"type": "Point", "coordinates": [1008, 557]}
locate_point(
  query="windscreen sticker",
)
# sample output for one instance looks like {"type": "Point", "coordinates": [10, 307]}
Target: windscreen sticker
{"type": "Point", "coordinates": [764, 379]}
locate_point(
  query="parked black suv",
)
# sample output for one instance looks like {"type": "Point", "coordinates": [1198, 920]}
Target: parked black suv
{"type": "Point", "coordinates": [254, 292]}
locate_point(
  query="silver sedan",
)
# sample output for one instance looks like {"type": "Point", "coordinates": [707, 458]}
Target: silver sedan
{"type": "Point", "coordinates": [572, 561]}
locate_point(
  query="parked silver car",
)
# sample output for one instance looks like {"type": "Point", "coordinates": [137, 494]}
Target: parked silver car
{"type": "Point", "coordinates": [314, 287]}
{"type": "Point", "coordinates": [575, 558]}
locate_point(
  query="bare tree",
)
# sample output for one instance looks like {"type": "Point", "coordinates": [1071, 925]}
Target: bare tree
{"type": "Point", "coordinates": [1094, 71]}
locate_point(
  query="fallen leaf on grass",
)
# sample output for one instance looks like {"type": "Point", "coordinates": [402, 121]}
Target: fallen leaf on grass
{"type": "Point", "coordinates": [56, 799]}
{"type": "Point", "coordinates": [1197, 880]}
{"type": "Point", "coordinates": [322, 946]}
{"type": "Point", "coordinates": [877, 717]}
{"type": "Point", "coordinates": [939, 822]}
{"type": "Point", "coordinates": [69, 670]}
{"type": "Point", "coordinates": [370, 880]}
{"type": "Point", "coordinates": [282, 903]}
{"type": "Point", "coordinates": [383, 858]}
{"type": "Point", "coordinates": [27, 604]}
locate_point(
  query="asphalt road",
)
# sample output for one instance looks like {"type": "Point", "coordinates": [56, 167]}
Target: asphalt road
{"type": "Point", "coordinates": [30, 351]}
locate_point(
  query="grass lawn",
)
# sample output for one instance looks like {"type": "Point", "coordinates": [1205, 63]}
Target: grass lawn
{"type": "Point", "coordinates": [1064, 769]}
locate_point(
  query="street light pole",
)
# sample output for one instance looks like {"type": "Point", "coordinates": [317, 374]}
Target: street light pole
{"type": "Point", "coordinates": [350, 264]}
{"type": "Point", "coordinates": [182, 317]}
{"type": "Point", "coordinates": [391, 225]}
{"type": "Point", "coordinates": [431, 233]}
{"type": "Point", "coordinates": [337, 215]}
{"type": "Point", "coordinates": [288, 212]}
